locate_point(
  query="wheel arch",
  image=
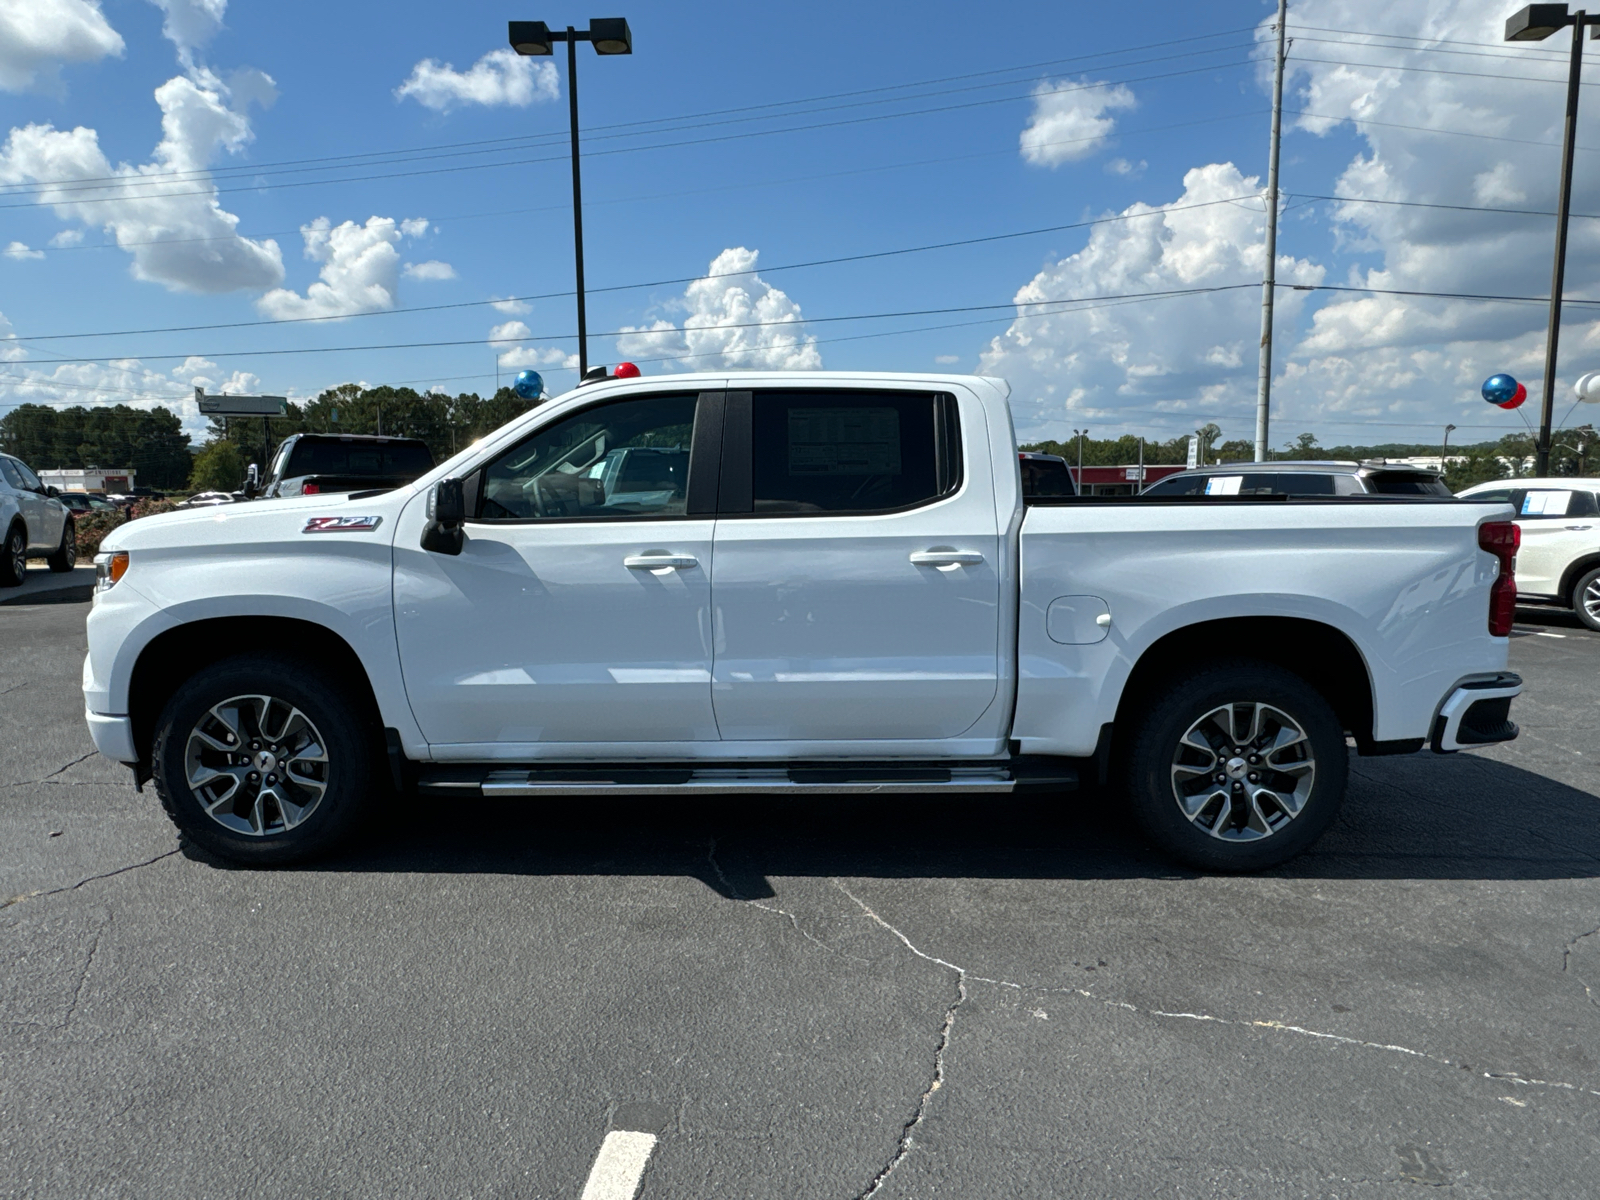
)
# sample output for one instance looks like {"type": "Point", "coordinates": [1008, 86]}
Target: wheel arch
{"type": "Point", "coordinates": [1324, 656]}
{"type": "Point", "coordinates": [1578, 568]}
{"type": "Point", "coordinates": [176, 654]}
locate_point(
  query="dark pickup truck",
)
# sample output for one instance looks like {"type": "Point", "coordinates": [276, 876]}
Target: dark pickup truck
{"type": "Point", "coordinates": [310, 463]}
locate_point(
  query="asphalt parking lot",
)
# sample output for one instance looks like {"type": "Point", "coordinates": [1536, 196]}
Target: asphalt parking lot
{"type": "Point", "coordinates": [937, 998]}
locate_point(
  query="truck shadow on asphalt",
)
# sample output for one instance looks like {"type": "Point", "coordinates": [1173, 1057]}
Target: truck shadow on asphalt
{"type": "Point", "coordinates": [1466, 817]}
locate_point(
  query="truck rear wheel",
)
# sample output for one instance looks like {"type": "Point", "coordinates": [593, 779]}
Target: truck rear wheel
{"type": "Point", "coordinates": [262, 760]}
{"type": "Point", "coordinates": [1239, 766]}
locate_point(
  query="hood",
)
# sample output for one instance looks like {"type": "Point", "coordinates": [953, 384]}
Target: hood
{"type": "Point", "coordinates": [254, 522]}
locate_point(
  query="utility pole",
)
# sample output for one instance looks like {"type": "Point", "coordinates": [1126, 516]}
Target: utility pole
{"type": "Point", "coordinates": [1269, 280]}
{"type": "Point", "coordinates": [1079, 434]}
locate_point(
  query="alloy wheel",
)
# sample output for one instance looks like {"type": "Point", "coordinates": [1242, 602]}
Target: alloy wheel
{"type": "Point", "coordinates": [1243, 771]}
{"type": "Point", "coordinates": [257, 765]}
{"type": "Point", "coordinates": [1590, 600]}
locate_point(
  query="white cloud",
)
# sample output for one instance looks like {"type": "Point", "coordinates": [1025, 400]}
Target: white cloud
{"type": "Point", "coordinates": [1069, 121]}
{"type": "Point", "coordinates": [1398, 358]}
{"type": "Point", "coordinates": [179, 237]}
{"type": "Point", "coordinates": [1121, 166]}
{"type": "Point", "coordinates": [514, 358]}
{"type": "Point", "coordinates": [510, 307]}
{"type": "Point", "coordinates": [360, 270]}
{"type": "Point", "coordinates": [946, 359]}
{"type": "Point", "coordinates": [67, 237]}
{"type": "Point", "coordinates": [500, 77]}
{"type": "Point", "coordinates": [737, 322]}
{"type": "Point", "coordinates": [430, 270]}
{"type": "Point", "coordinates": [190, 24]}
{"type": "Point", "coordinates": [37, 36]}
{"type": "Point", "coordinates": [1126, 364]}
{"type": "Point", "coordinates": [414, 227]}
{"type": "Point", "coordinates": [21, 250]}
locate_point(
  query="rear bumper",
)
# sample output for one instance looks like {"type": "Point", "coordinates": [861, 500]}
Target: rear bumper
{"type": "Point", "coordinates": [113, 736]}
{"type": "Point", "coordinates": [1477, 713]}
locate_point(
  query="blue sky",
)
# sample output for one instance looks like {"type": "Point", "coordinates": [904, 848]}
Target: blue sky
{"type": "Point", "coordinates": [306, 122]}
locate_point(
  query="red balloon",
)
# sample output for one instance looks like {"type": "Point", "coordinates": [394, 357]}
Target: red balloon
{"type": "Point", "coordinates": [1516, 401]}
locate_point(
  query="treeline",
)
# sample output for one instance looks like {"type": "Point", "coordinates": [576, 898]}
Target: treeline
{"type": "Point", "coordinates": [446, 423]}
{"type": "Point", "coordinates": [150, 440]}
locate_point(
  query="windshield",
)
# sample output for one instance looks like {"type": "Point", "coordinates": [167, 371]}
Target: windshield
{"type": "Point", "coordinates": [359, 458]}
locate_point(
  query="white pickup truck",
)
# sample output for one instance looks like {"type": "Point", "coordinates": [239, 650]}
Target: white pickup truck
{"type": "Point", "coordinates": [788, 583]}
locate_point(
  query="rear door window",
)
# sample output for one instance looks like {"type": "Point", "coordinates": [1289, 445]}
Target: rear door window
{"type": "Point", "coordinates": [849, 452]}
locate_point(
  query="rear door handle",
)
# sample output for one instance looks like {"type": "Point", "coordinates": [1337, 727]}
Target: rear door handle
{"type": "Point", "coordinates": [656, 562]}
{"type": "Point", "coordinates": [946, 558]}
{"type": "Point", "coordinates": [1580, 526]}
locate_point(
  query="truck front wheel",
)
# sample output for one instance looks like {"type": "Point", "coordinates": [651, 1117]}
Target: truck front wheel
{"type": "Point", "coordinates": [262, 760]}
{"type": "Point", "coordinates": [1237, 767]}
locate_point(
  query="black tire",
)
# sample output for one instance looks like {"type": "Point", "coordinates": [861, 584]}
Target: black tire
{"type": "Point", "coordinates": [245, 831]}
{"type": "Point", "coordinates": [14, 556]}
{"type": "Point", "coordinates": [1258, 820]}
{"type": "Point", "coordinates": [1586, 598]}
{"type": "Point", "coordinates": [66, 554]}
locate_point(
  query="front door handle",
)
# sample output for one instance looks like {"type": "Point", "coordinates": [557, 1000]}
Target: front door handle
{"type": "Point", "coordinates": [657, 562]}
{"type": "Point", "coordinates": [946, 558]}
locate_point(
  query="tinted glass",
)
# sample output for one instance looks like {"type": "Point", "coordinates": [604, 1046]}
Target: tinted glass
{"type": "Point", "coordinates": [1406, 483]}
{"type": "Point", "coordinates": [358, 458]}
{"type": "Point", "coordinates": [1178, 485]}
{"type": "Point", "coordinates": [8, 472]}
{"type": "Point", "coordinates": [1287, 483]}
{"type": "Point", "coordinates": [816, 452]}
{"type": "Point", "coordinates": [29, 479]}
{"type": "Point", "coordinates": [625, 459]}
{"type": "Point", "coordinates": [1045, 477]}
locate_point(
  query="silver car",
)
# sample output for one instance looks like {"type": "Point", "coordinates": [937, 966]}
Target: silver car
{"type": "Point", "coordinates": [36, 524]}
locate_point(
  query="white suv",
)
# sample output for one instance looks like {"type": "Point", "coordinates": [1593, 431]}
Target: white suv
{"type": "Point", "coordinates": [1559, 561]}
{"type": "Point", "coordinates": [34, 522]}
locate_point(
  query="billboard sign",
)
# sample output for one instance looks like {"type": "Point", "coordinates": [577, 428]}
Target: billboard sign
{"type": "Point", "coordinates": [240, 406]}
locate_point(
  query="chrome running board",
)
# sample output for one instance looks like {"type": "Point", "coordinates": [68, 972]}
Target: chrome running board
{"type": "Point", "coordinates": [836, 779]}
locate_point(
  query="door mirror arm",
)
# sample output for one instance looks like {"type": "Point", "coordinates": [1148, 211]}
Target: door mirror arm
{"type": "Point", "coordinates": [447, 512]}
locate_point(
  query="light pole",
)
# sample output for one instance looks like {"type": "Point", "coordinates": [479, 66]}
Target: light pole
{"type": "Point", "coordinates": [1080, 434]}
{"type": "Point", "coordinates": [1444, 452]}
{"type": "Point", "coordinates": [608, 35]}
{"type": "Point", "coordinates": [1534, 24]}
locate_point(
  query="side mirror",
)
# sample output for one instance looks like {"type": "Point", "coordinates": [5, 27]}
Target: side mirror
{"type": "Point", "coordinates": [447, 511]}
{"type": "Point", "coordinates": [52, 491]}
{"type": "Point", "coordinates": [252, 480]}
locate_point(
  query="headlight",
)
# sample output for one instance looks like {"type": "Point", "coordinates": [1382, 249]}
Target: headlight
{"type": "Point", "coordinates": [108, 568]}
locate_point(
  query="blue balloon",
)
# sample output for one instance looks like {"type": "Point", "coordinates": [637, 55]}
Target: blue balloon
{"type": "Point", "coordinates": [1499, 389]}
{"type": "Point", "coordinates": [530, 385]}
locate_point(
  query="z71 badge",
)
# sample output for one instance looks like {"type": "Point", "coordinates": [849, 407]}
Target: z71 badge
{"type": "Point", "coordinates": [342, 524]}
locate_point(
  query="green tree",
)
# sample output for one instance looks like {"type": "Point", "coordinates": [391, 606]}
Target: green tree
{"type": "Point", "coordinates": [219, 467]}
{"type": "Point", "coordinates": [150, 441]}
{"type": "Point", "coordinates": [1304, 446]}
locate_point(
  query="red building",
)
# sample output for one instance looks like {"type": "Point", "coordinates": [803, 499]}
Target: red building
{"type": "Point", "coordinates": [1120, 481]}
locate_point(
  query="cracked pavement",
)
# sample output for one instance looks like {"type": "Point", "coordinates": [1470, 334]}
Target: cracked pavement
{"type": "Point", "coordinates": [914, 998]}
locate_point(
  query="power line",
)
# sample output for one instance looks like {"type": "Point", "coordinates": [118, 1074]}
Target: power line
{"type": "Point", "coordinates": [846, 258]}
{"type": "Point", "coordinates": [1010, 304]}
{"type": "Point", "coordinates": [214, 191]}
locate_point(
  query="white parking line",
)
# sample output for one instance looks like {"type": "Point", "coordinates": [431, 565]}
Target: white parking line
{"type": "Point", "coordinates": [619, 1166]}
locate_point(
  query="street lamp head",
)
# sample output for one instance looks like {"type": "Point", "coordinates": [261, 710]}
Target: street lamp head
{"type": "Point", "coordinates": [1449, 428]}
{"type": "Point", "coordinates": [1537, 22]}
{"type": "Point", "coordinates": [529, 37]}
{"type": "Point", "coordinates": [610, 35]}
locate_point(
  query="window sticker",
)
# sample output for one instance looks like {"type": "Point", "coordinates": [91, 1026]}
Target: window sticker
{"type": "Point", "coordinates": [1224, 485]}
{"type": "Point", "coordinates": [1546, 504]}
{"type": "Point", "coordinates": [844, 441]}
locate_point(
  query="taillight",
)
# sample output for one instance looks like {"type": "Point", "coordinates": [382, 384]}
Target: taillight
{"type": "Point", "coordinates": [310, 489]}
{"type": "Point", "coordinates": [1501, 539]}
